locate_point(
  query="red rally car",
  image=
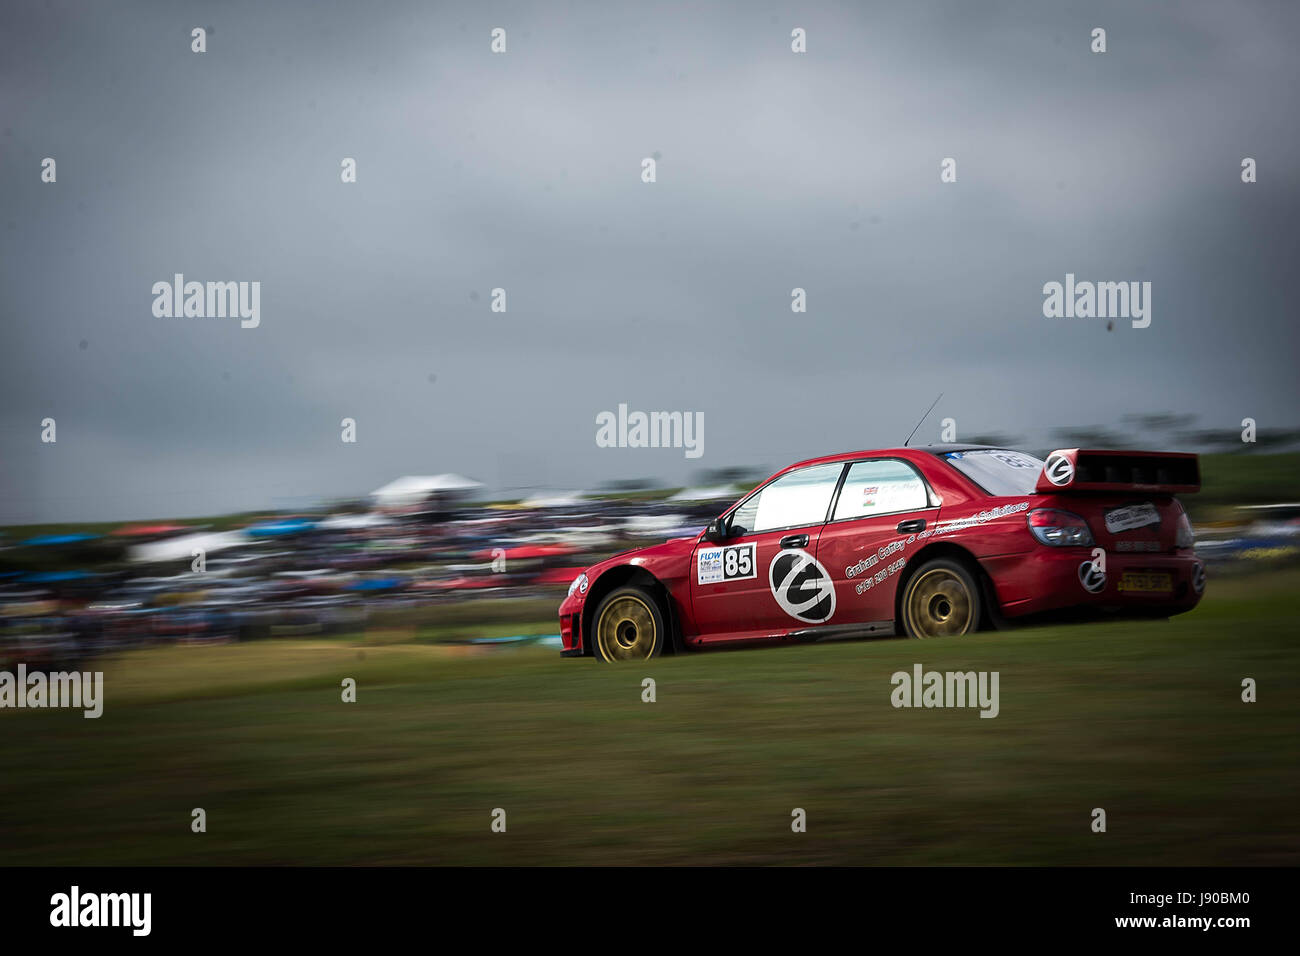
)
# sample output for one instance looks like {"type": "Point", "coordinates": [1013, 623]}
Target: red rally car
{"type": "Point", "coordinates": [935, 541]}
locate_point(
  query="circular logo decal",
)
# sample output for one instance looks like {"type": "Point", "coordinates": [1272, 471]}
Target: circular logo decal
{"type": "Point", "coordinates": [802, 586]}
{"type": "Point", "coordinates": [1059, 469]}
{"type": "Point", "coordinates": [1091, 577]}
{"type": "Point", "coordinates": [1198, 577]}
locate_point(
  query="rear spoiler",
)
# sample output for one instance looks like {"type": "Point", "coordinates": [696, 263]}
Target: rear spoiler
{"type": "Point", "coordinates": [1081, 469]}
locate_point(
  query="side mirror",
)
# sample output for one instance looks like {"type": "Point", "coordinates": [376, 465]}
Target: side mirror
{"type": "Point", "coordinates": [716, 530]}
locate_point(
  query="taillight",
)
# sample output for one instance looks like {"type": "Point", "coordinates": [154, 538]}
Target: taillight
{"type": "Point", "coordinates": [1186, 537]}
{"type": "Point", "coordinates": [1060, 529]}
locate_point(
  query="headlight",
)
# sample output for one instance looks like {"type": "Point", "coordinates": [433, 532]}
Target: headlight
{"type": "Point", "coordinates": [579, 584]}
{"type": "Point", "coordinates": [1060, 529]}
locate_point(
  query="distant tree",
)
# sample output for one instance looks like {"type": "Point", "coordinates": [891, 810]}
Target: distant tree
{"type": "Point", "coordinates": [1094, 436]}
{"type": "Point", "coordinates": [732, 475]}
{"type": "Point", "coordinates": [627, 485]}
{"type": "Point", "coordinates": [1228, 440]}
{"type": "Point", "coordinates": [1158, 422]}
{"type": "Point", "coordinates": [996, 439]}
{"type": "Point", "coordinates": [1166, 431]}
{"type": "Point", "coordinates": [1274, 439]}
{"type": "Point", "coordinates": [1209, 439]}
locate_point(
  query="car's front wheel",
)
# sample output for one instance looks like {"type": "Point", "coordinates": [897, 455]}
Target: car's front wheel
{"type": "Point", "coordinates": [628, 626]}
{"type": "Point", "coordinates": [941, 600]}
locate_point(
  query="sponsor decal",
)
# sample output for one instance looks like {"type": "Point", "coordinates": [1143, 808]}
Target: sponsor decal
{"type": "Point", "coordinates": [731, 563]}
{"type": "Point", "coordinates": [862, 587]}
{"type": "Point", "coordinates": [884, 551]}
{"type": "Point", "coordinates": [1137, 546]}
{"type": "Point", "coordinates": [1059, 469]}
{"type": "Point", "coordinates": [948, 527]}
{"type": "Point", "coordinates": [1013, 460]}
{"type": "Point", "coordinates": [872, 560]}
{"type": "Point", "coordinates": [1132, 516]}
{"type": "Point", "coordinates": [802, 586]}
{"type": "Point", "coordinates": [1092, 578]}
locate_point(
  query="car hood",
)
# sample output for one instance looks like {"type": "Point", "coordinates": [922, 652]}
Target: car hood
{"type": "Point", "coordinates": [674, 548]}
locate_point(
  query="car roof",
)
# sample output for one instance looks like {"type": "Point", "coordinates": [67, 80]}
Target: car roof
{"type": "Point", "coordinates": [911, 452]}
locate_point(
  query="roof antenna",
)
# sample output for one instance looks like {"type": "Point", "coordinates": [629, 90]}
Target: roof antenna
{"type": "Point", "coordinates": [923, 418]}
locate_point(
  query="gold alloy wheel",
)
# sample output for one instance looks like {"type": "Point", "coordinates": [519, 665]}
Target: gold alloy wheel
{"type": "Point", "coordinates": [939, 603]}
{"type": "Point", "coordinates": [626, 630]}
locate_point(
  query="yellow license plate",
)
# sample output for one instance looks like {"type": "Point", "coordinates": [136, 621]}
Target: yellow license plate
{"type": "Point", "coordinates": [1145, 581]}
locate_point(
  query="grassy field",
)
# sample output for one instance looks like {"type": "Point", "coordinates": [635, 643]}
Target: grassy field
{"type": "Point", "coordinates": [1142, 719]}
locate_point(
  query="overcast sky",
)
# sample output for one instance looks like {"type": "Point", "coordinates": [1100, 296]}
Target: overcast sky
{"type": "Point", "coordinates": [522, 171]}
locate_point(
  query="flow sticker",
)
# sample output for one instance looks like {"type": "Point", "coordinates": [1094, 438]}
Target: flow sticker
{"type": "Point", "coordinates": [730, 563]}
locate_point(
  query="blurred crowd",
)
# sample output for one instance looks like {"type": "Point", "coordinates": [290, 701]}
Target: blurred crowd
{"type": "Point", "coordinates": [88, 593]}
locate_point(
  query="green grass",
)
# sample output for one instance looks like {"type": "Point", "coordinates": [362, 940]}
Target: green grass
{"type": "Point", "coordinates": [1243, 478]}
{"type": "Point", "coordinates": [1142, 719]}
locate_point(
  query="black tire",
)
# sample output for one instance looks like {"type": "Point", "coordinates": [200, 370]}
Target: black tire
{"type": "Point", "coordinates": [628, 626]}
{"type": "Point", "coordinates": [942, 599]}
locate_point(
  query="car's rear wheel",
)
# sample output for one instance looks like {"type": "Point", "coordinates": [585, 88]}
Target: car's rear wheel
{"type": "Point", "coordinates": [628, 626]}
{"type": "Point", "coordinates": [941, 599]}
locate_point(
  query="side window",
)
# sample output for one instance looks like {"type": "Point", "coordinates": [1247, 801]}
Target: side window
{"type": "Point", "coordinates": [880, 487]}
{"type": "Point", "coordinates": [794, 500]}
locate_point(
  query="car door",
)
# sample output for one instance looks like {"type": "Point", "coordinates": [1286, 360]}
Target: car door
{"type": "Point", "coordinates": [764, 579]}
{"type": "Point", "coordinates": [882, 506]}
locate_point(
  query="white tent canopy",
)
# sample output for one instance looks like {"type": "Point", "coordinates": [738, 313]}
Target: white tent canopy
{"type": "Point", "coordinates": [174, 549]}
{"type": "Point", "coordinates": [351, 522]}
{"type": "Point", "coordinates": [558, 499]}
{"type": "Point", "coordinates": [411, 489]}
{"type": "Point", "coordinates": [708, 494]}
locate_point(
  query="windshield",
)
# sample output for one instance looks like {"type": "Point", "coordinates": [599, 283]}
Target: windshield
{"type": "Point", "coordinates": [999, 471]}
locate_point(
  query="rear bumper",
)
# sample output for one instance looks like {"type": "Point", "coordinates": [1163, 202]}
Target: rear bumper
{"type": "Point", "coordinates": [1050, 579]}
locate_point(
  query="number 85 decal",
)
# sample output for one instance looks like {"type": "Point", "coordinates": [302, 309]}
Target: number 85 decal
{"type": "Point", "coordinates": [738, 562]}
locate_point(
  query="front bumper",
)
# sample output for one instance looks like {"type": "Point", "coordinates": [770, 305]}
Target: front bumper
{"type": "Point", "coordinates": [571, 626]}
{"type": "Point", "coordinates": [1054, 579]}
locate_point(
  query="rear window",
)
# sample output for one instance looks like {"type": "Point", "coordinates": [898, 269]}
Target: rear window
{"type": "Point", "coordinates": [999, 471]}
